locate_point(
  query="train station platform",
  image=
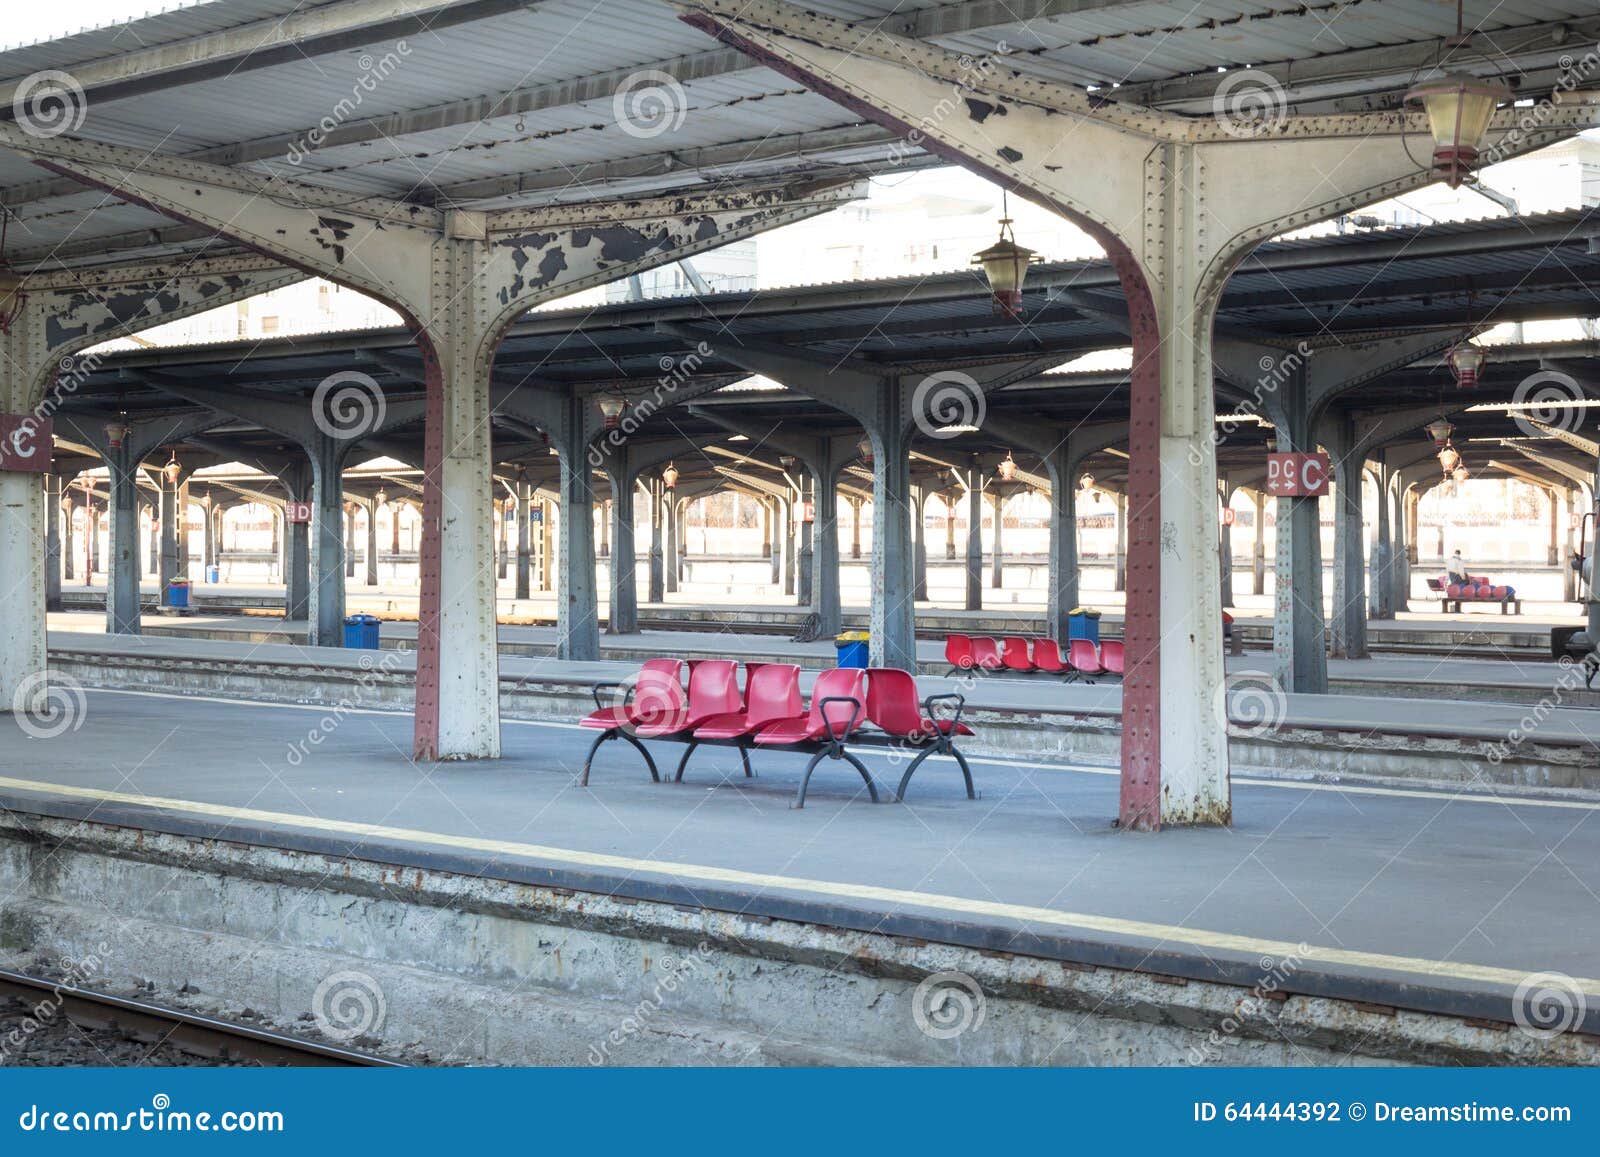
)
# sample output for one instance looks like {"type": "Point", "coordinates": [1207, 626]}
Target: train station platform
{"type": "Point", "coordinates": [1440, 902]}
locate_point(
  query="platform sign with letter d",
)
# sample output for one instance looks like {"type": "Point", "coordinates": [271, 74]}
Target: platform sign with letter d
{"type": "Point", "coordinates": [1297, 475]}
{"type": "Point", "coordinates": [297, 511]}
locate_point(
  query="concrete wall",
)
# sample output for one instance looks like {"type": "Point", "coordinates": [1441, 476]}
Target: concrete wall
{"type": "Point", "coordinates": [446, 968]}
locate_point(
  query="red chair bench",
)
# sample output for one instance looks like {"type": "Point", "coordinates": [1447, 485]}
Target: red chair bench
{"type": "Point", "coordinates": [849, 706]}
{"type": "Point", "coordinates": [1477, 589]}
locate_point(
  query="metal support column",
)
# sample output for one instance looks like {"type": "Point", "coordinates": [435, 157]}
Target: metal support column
{"type": "Point", "coordinates": [1258, 564]}
{"type": "Point", "coordinates": [658, 550]}
{"type": "Point", "coordinates": [52, 542]}
{"type": "Point", "coordinates": [1225, 545]}
{"type": "Point", "coordinates": [522, 496]}
{"type": "Point", "coordinates": [997, 550]}
{"type": "Point", "coordinates": [624, 616]}
{"type": "Point", "coordinates": [974, 481]}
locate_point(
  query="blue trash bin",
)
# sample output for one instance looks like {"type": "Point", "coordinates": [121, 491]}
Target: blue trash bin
{"type": "Point", "coordinates": [178, 593]}
{"type": "Point", "coordinates": [1084, 624]}
{"type": "Point", "coordinates": [853, 649]}
{"type": "Point", "coordinates": [362, 631]}
{"type": "Point", "coordinates": [213, 575]}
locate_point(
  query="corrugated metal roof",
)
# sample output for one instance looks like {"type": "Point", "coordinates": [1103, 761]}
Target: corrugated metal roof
{"type": "Point", "coordinates": [558, 42]}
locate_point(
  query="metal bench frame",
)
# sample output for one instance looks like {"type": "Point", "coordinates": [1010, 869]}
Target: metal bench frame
{"type": "Point", "coordinates": [939, 741]}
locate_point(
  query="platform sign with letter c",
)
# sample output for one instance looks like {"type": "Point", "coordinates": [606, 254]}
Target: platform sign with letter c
{"type": "Point", "coordinates": [1297, 475]}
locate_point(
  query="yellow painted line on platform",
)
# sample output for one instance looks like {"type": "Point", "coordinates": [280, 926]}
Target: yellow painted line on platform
{"type": "Point", "coordinates": [1437, 795]}
{"type": "Point", "coordinates": [1204, 939]}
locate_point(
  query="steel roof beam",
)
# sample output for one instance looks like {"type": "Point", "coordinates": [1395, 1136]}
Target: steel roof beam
{"type": "Point", "coordinates": [305, 33]}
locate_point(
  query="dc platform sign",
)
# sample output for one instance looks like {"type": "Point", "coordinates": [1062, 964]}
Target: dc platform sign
{"type": "Point", "coordinates": [1297, 475]}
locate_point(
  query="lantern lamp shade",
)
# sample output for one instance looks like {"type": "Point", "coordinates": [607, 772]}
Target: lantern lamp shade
{"type": "Point", "coordinates": [864, 448]}
{"type": "Point", "coordinates": [1439, 430]}
{"type": "Point", "coordinates": [1008, 468]}
{"type": "Point", "coordinates": [381, 498]}
{"type": "Point", "coordinates": [1461, 474]}
{"type": "Point", "coordinates": [1005, 265]}
{"type": "Point", "coordinates": [611, 406]}
{"type": "Point", "coordinates": [787, 461]}
{"type": "Point", "coordinates": [669, 476]}
{"type": "Point", "coordinates": [1458, 108]}
{"type": "Point", "coordinates": [116, 434]}
{"type": "Point", "coordinates": [1449, 459]}
{"type": "Point", "coordinates": [1086, 482]}
{"type": "Point", "coordinates": [171, 471]}
{"type": "Point", "coordinates": [1466, 362]}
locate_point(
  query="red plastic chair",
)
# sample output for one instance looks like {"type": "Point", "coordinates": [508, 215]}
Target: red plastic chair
{"type": "Point", "coordinates": [651, 697]}
{"type": "Point", "coordinates": [1084, 659]}
{"type": "Point", "coordinates": [713, 690]}
{"type": "Point", "coordinates": [958, 653]}
{"type": "Point", "coordinates": [1113, 656]}
{"type": "Point", "coordinates": [772, 694]}
{"type": "Point", "coordinates": [838, 700]}
{"type": "Point", "coordinates": [1047, 657]}
{"type": "Point", "coordinates": [1014, 654]}
{"type": "Point", "coordinates": [892, 707]}
{"type": "Point", "coordinates": [985, 654]}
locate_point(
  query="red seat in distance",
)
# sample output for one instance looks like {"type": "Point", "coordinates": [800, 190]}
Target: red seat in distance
{"type": "Point", "coordinates": [1047, 657]}
{"type": "Point", "coordinates": [1113, 656]}
{"type": "Point", "coordinates": [1084, 658]}
{"type": "Point", "coordinates": [985, 654]}
{"type": "Point", "coordinates": [1014, 654]}
{"type": "Point", "coordinates": [958, 653]}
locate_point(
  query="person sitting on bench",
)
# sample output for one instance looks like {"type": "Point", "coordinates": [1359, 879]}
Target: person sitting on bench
{"type": "Point", "coordinates": [1456, 568]}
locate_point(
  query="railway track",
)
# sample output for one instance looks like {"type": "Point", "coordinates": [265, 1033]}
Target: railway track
{"type": "Point", "coordinates": [187, 1032]}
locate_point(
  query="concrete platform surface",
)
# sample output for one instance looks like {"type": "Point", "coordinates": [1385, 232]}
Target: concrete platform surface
{"type": "Point", "coordinates": [1402, 893]}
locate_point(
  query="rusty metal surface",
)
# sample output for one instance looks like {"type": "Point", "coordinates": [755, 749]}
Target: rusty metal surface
{"type": "Point", "coordinates": [1140, 807]}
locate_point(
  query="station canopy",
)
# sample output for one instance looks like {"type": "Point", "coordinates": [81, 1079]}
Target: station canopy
{"type": "Point", "coordinates": [513, 103]}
